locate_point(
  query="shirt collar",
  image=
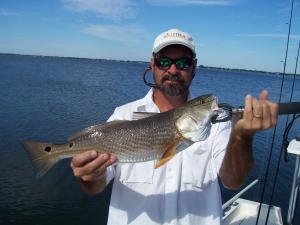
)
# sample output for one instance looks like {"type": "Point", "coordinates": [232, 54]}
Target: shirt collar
{"type": "Point", "coordinates": [149, 105]}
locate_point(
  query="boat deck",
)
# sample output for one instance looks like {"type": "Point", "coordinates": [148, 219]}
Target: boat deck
{"type": "Point", "coordinates": [244, 212]}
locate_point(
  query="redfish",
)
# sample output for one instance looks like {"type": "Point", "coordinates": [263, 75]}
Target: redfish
{"type": "Point", "coordinates": [154, 136]}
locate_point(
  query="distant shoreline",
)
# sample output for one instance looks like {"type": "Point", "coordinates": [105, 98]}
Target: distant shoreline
{"type": "Point", "coordinates": [144, 62]}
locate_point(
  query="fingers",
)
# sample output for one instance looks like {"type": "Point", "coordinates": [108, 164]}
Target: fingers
{"type": "Point", "coordinates": [248, 115]}
{"type": "Point", "coordinates": [83, 158]}
{"type": "Point", "coordinates": [253, 114]}
{"type": "Point", "coordinates": [257, 110]}
{"type": "Point", "coordinates": [266, 120]}
{"type": "Point", "coordinates": [274, 107]}
{"type": "Point", "coordinates": [259, 114]}
{"type": "Point", "coordinates": [91, 166]}
{"type": "Point", "coordinates": [98, 167]}
{"type": "Point", "coordinates": [270, 110]}
{"type": "Point", "coordinates": [263, 95]}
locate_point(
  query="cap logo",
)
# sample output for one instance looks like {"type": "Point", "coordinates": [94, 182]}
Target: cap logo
{"type": "Point", "coordinates": [174, 35]}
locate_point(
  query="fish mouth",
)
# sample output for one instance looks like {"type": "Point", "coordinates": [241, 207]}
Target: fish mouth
{"type": "Point", "coordinates": [220, 115]}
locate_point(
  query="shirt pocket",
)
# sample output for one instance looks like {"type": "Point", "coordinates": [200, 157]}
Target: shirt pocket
{"type": "Point", "coordinates": [137, 172]}
{"type": "Point", "coordinates": [197, 167]}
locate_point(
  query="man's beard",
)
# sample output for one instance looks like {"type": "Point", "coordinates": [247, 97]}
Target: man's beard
{"type": "Point", "coordinates": [176, 89]}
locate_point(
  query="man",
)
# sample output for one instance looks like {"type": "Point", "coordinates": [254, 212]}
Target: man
{"type": "Point", "coordinates": [185, 190]}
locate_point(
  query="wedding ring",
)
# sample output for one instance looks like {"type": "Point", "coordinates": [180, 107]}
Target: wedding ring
{"type": "Point", "coordinates": [257, 115]}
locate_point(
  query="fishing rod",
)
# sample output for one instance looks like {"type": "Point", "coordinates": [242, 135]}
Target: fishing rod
{"type": "Point", "coordinates": [285, 136]}
{"type": "Point", "coordinates": [285, 142]}
{"type": "Point", "coordinates": [284, 108]}
{"type": "Point", "coordinates": [274, 131]}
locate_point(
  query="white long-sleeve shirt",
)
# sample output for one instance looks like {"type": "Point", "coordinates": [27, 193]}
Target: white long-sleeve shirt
{"type": "Point", "coordinates": [183, 191]}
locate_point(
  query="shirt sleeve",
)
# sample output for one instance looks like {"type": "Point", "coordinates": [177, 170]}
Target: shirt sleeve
{"type": "Point", "coordinates": [220, 142]}
{"type": "Point", "coordinates": [114, 116]}
{"type": "Point", "coordinates": [121, 113]}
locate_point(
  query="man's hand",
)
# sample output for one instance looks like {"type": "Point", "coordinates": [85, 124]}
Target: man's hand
{"type": "Point", "coordinates": [90, 168]}
{"type": "Point", "coordinates": [259, 114]}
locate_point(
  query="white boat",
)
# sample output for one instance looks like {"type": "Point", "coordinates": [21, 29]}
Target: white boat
{"type": "Point", "coordinates": [239, 211]}
{"type": "Point", "coordinates": [245, 212]}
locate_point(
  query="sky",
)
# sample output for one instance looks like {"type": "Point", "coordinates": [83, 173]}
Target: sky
{"type": "Point", "coordinates": [244, 34]}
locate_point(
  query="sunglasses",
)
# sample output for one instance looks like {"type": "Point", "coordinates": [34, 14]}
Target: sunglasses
{"type": "Point", "coordinates": [164, 63]}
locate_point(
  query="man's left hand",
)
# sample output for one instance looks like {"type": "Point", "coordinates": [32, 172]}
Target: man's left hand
{"type": "Point", "coordinates": [259, 114]}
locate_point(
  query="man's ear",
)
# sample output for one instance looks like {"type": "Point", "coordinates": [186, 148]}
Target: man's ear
{"type": "Point", "coordinates": [194, 68]}
{"type": "Point", "coordinates": [152, 63]}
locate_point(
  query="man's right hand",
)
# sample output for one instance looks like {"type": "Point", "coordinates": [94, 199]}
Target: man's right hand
{"type": "Point", "coordinates": [90, 168]}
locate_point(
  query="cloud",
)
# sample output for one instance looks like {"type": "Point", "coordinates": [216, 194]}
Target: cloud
{"type": "Point", "coordinates": [4, 12]}
{"type": "Point", "coordinates": [270, 35]}
{"type": "Point", "coordinates": [191, 2]}
{"type": "Point", "coordinates": [117, 33]}
{"type": "Point", "coordinates": [120, 9]}
{"type": "Point", "coordinates": [111, 9]}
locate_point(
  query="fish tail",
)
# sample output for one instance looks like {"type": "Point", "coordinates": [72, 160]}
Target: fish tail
{"type": "Point", "coordinates": [41, 156]}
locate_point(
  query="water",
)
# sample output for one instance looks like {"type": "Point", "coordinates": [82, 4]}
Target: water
{"type": "Point", "coordinates": [48, 98]}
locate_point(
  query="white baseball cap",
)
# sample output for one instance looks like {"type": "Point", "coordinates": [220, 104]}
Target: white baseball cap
{"type": "Point", "coordinates": [173, 37]}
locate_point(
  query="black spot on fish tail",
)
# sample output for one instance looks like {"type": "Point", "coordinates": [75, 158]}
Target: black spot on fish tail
{"type": "Point", "coordinates": [48, 149]}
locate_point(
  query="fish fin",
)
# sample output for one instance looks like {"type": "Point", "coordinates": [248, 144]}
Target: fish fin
{"type": "Point", "coordinates": [93, 128]}
{"type": "Point", "coordinates": [40, 155]}
{"type": "Point", "coordinates": [168, 154]}
{"type": "Point", "coordinates": [142, 115]}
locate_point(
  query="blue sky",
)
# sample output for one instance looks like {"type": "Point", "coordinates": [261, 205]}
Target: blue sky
{"type": "Point", "coordinates": [247, 34]}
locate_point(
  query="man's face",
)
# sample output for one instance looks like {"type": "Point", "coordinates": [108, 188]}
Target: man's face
{"type": "Point", "coordinates": [174, 79]}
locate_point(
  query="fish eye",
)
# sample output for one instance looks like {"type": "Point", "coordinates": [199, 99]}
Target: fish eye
{"type": "Point", "coordinates": [71, 145]}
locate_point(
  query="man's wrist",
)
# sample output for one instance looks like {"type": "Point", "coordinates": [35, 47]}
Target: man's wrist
{"type": "Point", "coordinates": [242, 135]}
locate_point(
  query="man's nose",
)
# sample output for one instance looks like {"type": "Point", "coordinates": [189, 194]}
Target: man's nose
{"type": "Point", "coordinates": [173, 69]}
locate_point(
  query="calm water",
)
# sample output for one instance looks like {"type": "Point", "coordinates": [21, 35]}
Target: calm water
{"type": "Point", "coordinates": [48, 98]}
